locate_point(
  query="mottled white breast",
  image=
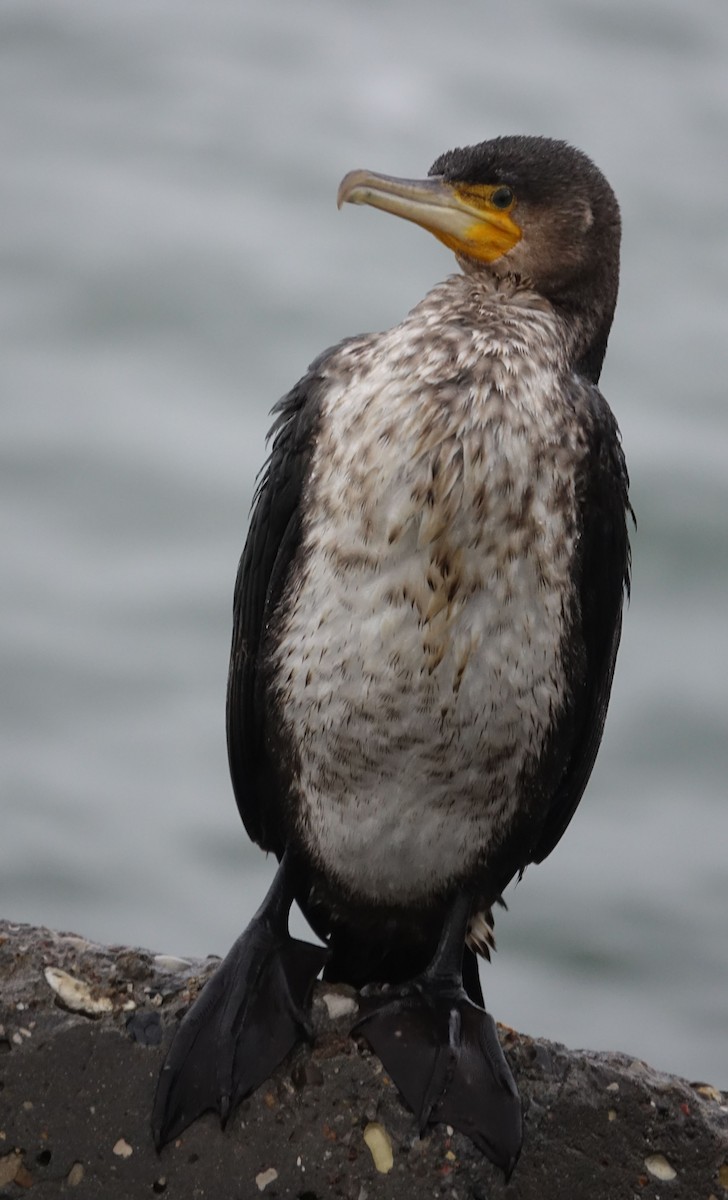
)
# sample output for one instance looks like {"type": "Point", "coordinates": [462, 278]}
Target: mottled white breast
{"type": "Point", "coordinates": [420, 661]}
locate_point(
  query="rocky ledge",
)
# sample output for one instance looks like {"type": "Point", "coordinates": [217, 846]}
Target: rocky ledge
{"type": "Point", "coordinates": [82, 1034]}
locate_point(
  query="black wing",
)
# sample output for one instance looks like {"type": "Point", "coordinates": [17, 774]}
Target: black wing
{"type": "Point", "coordinates": [273, 538]}
{"type": "Point", "coordinates": [604, 570]}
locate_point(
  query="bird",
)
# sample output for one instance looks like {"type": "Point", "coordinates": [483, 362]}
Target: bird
{"type": "Point", "coordinates": [426, 619]}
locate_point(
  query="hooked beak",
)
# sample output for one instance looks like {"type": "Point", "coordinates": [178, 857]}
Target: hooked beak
{"type": "Point", "coordinates": [459, 216]}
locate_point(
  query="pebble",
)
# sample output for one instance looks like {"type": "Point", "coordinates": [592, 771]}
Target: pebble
{"type": "Point", "coordinates": [339, 1006]}
{"type": "Point", "coordinates": [9, 1165]}
{"type": "Point", "coordinates": [145, 1028]}
{"type": "Point", "coordinates": [380, 1146]}
{"type": "Point", "coordinates": [658, 1166]}
{"type": "Point", "coordinates": [75, 1175]}
{"type": "Point", "coordinates": [306, 1074]}
{"type": "Point", "coordinates": [23, 1177]}
{"type": "Point", "coordinates": [266, 1177]}
{"type": "Point", "coordinates": [123, 1149]}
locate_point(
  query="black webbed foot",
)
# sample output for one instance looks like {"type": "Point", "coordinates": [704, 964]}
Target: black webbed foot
{"type": "Point", "coordinates": [442, 1052]}
{"type": "Point", "coordinates": [247, 1018]}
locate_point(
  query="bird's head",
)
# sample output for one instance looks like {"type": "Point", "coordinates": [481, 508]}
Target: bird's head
{"type": "Point", "coordinates": [527, 207]}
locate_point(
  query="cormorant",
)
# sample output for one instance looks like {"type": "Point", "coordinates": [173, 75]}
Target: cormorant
{"type": "Point", "coordinates": [426, 619]}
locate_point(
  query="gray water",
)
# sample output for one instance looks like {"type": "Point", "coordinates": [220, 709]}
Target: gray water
{"type": "Point", "coordinates": [172, 259]}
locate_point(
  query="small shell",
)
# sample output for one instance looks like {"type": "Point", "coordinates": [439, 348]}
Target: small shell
{"type": "Point", "coordinates": [380, 1146]}
{"type": "Point", "coordinates": [170, 962]}
{"type": "Point", "coordinates": [75, 994]}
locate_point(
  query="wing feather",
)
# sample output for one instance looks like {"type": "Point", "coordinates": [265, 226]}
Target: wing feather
{"type": "Point", "coordinates": [274, 537]}
{"type": "Point", "coordinates": [603, 582]}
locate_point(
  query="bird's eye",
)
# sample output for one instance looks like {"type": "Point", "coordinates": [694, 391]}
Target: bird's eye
{"type": "Point", "coordinates": [502, 197]}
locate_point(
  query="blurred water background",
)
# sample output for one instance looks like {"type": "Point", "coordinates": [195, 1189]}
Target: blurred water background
{"type": "Point", "coordinates": [172, 260]}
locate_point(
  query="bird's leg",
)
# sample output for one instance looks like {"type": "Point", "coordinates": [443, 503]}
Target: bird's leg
{"type": "Point", "coordinates": [442, 1050]}
{"type": "Point", "coordinates": [247, 1018]}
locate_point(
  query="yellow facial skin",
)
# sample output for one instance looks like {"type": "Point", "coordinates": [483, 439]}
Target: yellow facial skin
{"type": "Point", "coordinates": [463, 216]}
